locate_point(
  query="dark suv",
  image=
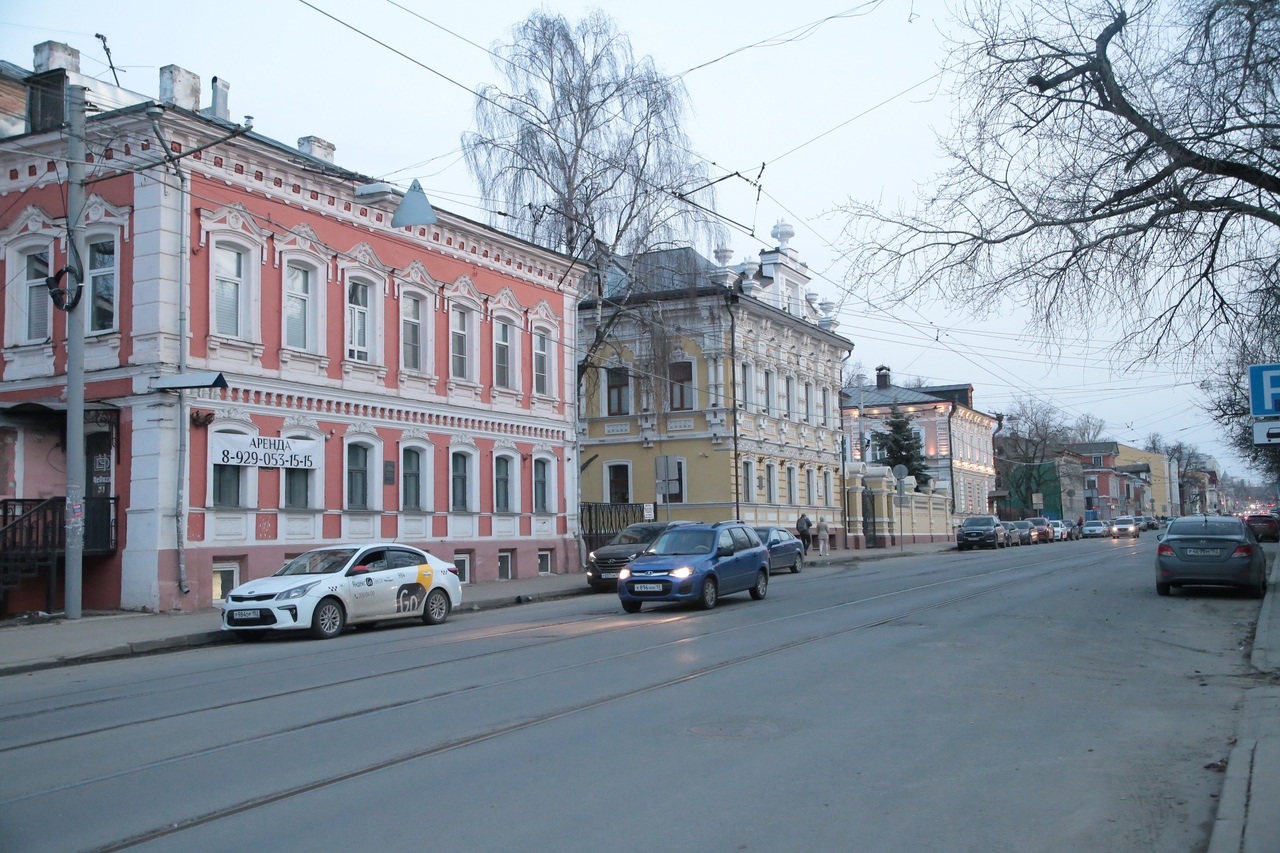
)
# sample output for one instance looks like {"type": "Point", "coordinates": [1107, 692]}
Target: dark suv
{"type": "Point", "coordinates": [697, 563]}
{"type": "Point", "coordinates": [980, 531]}
{"type": "Point", "coordinates": [604, 563]}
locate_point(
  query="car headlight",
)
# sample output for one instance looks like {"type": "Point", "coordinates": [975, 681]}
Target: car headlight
{"type": "Point", "coordinates": [624, 574]}
{"type": "Point", "coordinates": [682, 572]}
{"type": "Point", "coordinates": [296, 592]}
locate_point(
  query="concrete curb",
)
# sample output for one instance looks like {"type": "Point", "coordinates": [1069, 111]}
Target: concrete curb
{"type": "Point", "coordinates": [1228, 834]}
{"type": "Point", "coordinates": [208, 638]}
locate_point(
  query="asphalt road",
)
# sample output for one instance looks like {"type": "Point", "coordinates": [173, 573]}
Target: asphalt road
{"type": "Point", "coordinates": [1025, 699]}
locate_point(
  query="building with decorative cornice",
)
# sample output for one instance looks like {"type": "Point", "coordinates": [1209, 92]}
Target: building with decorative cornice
{"type": "Point", "coordinates": [733, 373]}
{"type": "Point", "coordinates": [956, 437]}
{"type": "Point", "coordinates": [412, 383]}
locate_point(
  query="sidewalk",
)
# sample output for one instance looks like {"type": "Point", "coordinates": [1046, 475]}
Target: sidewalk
{"type": "Point", "coordinates": [28, 646]}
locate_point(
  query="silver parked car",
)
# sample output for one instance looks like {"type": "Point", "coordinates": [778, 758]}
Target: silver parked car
{"type": "Point", "coordinates": [1210, 550]}
{"type": "Point", "coordinates": [1126, 525]}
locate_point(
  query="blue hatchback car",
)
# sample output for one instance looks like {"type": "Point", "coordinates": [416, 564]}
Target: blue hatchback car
{"type": "Point", "coordinates": [697, 563]}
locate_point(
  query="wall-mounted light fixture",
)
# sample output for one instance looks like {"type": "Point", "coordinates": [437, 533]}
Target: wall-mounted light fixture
{"type": "Point", "coordinates": [201, 419]}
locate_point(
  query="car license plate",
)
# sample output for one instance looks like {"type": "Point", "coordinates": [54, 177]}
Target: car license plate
{"type": "Point", "coordinates": [1204, 552]}
{"type": "Point", "coordinates": [237, 615]}
{"type": "Point", "coordinates": [609, 575]}
{"type": "Point", "coordinates": [647, 587]}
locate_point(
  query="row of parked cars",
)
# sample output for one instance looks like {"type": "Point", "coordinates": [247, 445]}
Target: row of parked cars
{"type": "Point", "coordinates": [987, 531]}
{"type": "Point", "coordinates": [696, 563]}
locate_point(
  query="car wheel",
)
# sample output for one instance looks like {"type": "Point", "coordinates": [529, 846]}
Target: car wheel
{"type": "Point", "coordinates": [761, 589]}
{"type": "Point", "coordinates": [1162, 589]}
{"type": "Point", "coordinates": [1259, 590]}
{"type": "Point", "coordinates": [436, 608]}
{"type": "Point", "coordinates": [708, 594]}
{"type": "Point", "coordinates": [328, 620]}
{"type": "Point", "coordinates": [798, 565]}
{"type": "Point", "coordinates": [631, 606]}
{"type": "Point", "coordinates": [250, 636]}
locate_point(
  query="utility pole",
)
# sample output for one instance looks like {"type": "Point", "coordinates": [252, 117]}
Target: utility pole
{"type": "Point", "coordinates": [77, 261]}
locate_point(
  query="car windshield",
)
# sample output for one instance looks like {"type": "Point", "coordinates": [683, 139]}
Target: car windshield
{"type": "Point", "coordinates": [318, 562]}
{"type": "Point", "coordinates": [1124, 520]}
{"type": "Point", "coordinates": [636, 535]}
{"type": "Point", "coordinates": [684, 542]}
{"type": "Point", "coordinates": [1205, 527]}
{"type": "Point", "coordinates": [1022, 525]}
{"type": "Point", "coordinates": [978, 522]}
{"type": "Point", "coordinates": [1039, 522]}
{"type": "Point", "coordinates": [763, 533]}
{"type": "Point", "coordinates": [1093, 524]}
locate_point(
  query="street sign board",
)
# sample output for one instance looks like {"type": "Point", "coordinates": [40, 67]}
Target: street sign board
{"type": "Point", "coordinates": [1264, 390]}
{"type": "Point", "coordinates": [1266, 432]}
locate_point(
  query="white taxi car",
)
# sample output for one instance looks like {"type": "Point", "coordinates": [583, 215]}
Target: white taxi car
{"type": "Point", "coordinates": [326, 589]}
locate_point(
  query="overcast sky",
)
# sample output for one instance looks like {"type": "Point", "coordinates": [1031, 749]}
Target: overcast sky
{"type": "Point", "coordinates": [835, 101]}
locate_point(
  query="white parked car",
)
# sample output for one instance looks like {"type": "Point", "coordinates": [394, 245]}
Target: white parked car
{"type": "Point", "coordinates": [1059, 531]}
{"type": "Point", "coordinates": [326, 589]}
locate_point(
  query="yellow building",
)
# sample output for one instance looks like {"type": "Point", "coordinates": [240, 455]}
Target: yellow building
{"type": "Point", "coordinates": [1162, 498]}
{"type": "Point", "coordinates": [731, 373]}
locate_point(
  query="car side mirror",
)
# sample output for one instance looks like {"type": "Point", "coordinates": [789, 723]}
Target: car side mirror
{"type": "Point", "coordinates": [775, 541]}
{"type": "Point", "coordinates": [724, 551]}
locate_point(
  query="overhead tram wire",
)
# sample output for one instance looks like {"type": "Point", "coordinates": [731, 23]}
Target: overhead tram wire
{"type": "Point", "coordinates": [448, 79]}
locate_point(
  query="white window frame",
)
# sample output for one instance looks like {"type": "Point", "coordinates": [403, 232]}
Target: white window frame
{"type": "Point", "coordinates": [314, 323]}
{"type": "Point", "coordinates": [513, 482]}
{"type": "Point", "coordinates": [24, 291]}
{"type": "Point", "coordinates": [250, 290]}
{"type": "Point", "coordinates": [315, 476]}
{"type": "Point", "coordinates": [373, 472]}
{"type": "Point", "coordinates": [770, 483]}
{"type": "Point", "coordinates": [607, 485]}
{"type": "Point", "coordinates": [426, 476]}
{"type": "Point", "coordinates": [543, 362]}
{"type": "Point", "coordinates": [426, 331]}
{"type": "Point", "coordinates": [95, 275]}
{"type": "Point", "coordinates": [357, 315]}
{"type": "Point", "coordinates": [748, 385]}
{"type": "Point", "coordinates": [505, 350]}
{"type": "Point", "coordinates": [826, 406]}
{"type": "Point", "coordinates": [627, 394]}
{"type": "Point", "coordinates": [810, 488]}
{"type": "Point", "coordinates": [748, 486]}
{"type": "Point", "coordinates": [248, 474]}
{"type": "Point", "coordinates": [770, 392]}
{"type": "Point", "coordinates": [469, 350]}
{"type": "Point", "coordinates": [689, 395]}
{"type": "Point", "coordinates": [472, 483]}
{"type": "Point", "coordinates": [827, 489]}
{"type": "Point", "coordinates": [416, 322]}
{"type": "Point", "coordinates": [808, 402]}
{"type": "Point", "coordinates": [793, 485]}
{"type": "Point", "coordinates": [552, 497]}
{"type": "Point", "coordinates": [790, 405]}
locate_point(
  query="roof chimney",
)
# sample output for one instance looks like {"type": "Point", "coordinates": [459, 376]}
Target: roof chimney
{"type": "Point", "coordinates": [882, 377]}
{"type": "Point", "coordinates": [219, 108]}
{"type": "Point", "coordinates": [52, 55]}
{"type": "Point", "coordinates": [180, 88]}
{"type": "Point", "coordinates": [317, 147]}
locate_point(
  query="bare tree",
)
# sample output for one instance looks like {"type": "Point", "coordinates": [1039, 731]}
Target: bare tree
{"type": "Point", "coordinates": [1110, 166]}
{"type": "Point", "coordinates": [1026, 450]}
{"type": "Point", "coordinates": [584, 146]}
{"type": "Point", "coordinates": [1086, 429]}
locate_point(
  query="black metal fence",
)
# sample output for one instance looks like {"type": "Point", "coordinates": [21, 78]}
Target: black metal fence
{"type": "Point", "coordinates": [601, 522]}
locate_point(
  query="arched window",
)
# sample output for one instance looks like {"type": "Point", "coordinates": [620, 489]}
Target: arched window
{"type": "Point", "coordinates": [544, 485]}
{"type": "Point", "coordinates": [363, 469]}
{"type": "Point", "coordinates": [506, 483]}
{"type": "Point", "coordinates": [464, 492]}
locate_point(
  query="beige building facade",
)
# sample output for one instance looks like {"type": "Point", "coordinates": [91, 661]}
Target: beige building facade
{"type": "Point", "coordinates": [732, 373]}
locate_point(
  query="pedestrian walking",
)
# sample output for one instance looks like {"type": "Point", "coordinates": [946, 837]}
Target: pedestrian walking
{"type": "Point", "coordinates": [824, 543]}
{"type": "Point", "coordinates": [802, 531]}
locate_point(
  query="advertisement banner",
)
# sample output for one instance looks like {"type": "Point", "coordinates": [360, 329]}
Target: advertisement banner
{"type": "Point", "coordinates": [263, 452]}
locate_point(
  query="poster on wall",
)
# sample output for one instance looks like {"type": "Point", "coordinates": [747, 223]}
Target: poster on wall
{"type": "Point", "coordinates": [253, 451]}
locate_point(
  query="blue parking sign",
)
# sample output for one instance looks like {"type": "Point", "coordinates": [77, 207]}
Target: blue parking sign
{"type": "Point", "coordinates": [1264, 390]}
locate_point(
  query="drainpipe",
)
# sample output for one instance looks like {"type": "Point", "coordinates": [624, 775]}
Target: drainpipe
{"type": "Point", "coordinates": [179, 517]}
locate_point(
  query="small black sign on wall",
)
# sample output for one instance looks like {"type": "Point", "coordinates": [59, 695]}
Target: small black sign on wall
{"type": "Point", "coordinates": [389, 473]}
